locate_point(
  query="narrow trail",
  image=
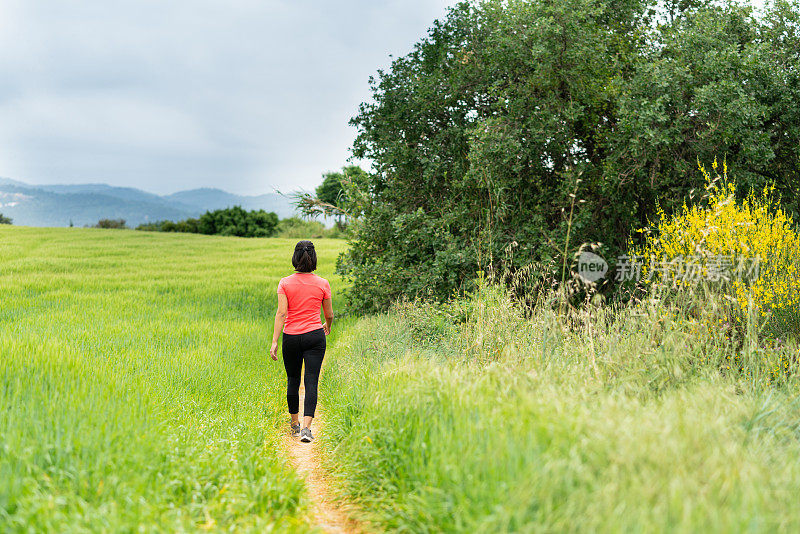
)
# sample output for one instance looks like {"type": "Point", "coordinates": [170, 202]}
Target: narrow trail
{"type": "Point", "coordinates": [328, 514]}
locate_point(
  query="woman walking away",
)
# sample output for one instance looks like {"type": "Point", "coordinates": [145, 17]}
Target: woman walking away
{"type": "Point", "coordinates": [300, 297]}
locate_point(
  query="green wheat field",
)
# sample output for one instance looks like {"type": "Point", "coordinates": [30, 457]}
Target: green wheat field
{"type": "Point", "coordinates": [136, 390]}
{"type": "Point", "coordinates": [136, 394]}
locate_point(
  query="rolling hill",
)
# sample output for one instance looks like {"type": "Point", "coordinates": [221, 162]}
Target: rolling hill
{"type": "Point", "coordinates": [85, 204]}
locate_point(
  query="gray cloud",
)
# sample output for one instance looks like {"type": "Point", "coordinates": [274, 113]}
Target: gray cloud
{"type": "Point", "coordinates": [242, 94]}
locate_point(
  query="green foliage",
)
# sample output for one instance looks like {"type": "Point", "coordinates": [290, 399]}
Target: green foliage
{"type": "Point", "coordinates": [297, 228]}
{"type": "Point", "coordinates": [719, 83]}
{"type": "Point", "coordinates": [191, 226]}
{"type": "Point", "coordinates": [136, 389]}
{"type": "Point", "coordinates": [481, 135]}
{"type": "Point", "coordinates": [111, 223]}
{"type": "Point", "coordinates": [4, 219]}
{"type": "Point", "coordinates": [337, 188]}
{"type": "Point", "coordinates": [229, 222]}
{"type": "Point", "coordinates": [237, 222]}
{"type": "Point", "coordinates": [341, 195]}
{"type": "Point", "coordinates": [330, 190]}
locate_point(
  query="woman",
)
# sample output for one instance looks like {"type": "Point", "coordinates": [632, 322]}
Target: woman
{"type": "Point", "coordinates": [300, 297]}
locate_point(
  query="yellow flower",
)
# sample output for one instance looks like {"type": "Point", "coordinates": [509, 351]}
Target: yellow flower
{"type": "Point", "coordinates": [750, 232]}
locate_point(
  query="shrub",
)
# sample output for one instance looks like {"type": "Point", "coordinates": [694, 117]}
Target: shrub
{"type": "Point", "coordinates": [150, 227]}
{"type": "Point", "coordinates": [111, 223]}
{"type": "Point", "coordinates": [236, 221]}
{"type": "Point", "coordinates": [230, 221]}
{"type": "Point", "coordinates": [750, 247]}
{"type": "Point", "coordinates": [4, 219]}
{"type": "Point", "coordinates": [189, 225]}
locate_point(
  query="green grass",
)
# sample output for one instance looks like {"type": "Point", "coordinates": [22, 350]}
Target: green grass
{"type": "Point", "coordinates": [471, 418]}
{"type": "Point", "coordinates": [136, 392]}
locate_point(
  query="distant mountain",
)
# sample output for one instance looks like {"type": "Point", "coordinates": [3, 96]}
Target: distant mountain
{"type": "Point", "coordinates": [9, 181]}
{"type": "Point", "coordinates": [85, 204]}
{"type": "Point", "coordinates": [208, 198]}
{"type": "Point", "coordinates": [123, 193]}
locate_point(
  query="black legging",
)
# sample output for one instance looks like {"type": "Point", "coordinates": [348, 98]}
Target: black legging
{"type": "Point", "coordinates": [297, 348]}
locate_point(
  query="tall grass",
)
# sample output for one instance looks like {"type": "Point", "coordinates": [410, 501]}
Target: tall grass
{"type": "Point", "coordinates": [136, 392]}
{"type": "Point", "coordinates": [475, 417]}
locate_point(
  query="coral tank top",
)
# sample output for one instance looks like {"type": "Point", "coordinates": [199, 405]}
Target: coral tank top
{"type": "Point", "coordinates": [305, 293]}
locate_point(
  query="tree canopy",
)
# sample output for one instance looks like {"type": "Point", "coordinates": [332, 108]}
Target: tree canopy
{"type": "Point", "coordinates": [511, 114]}
{"type": "Point", "coordinates": [234, 221]}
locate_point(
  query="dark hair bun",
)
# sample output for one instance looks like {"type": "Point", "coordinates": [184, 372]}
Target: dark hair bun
{"type": "Point", "coordinates": [304, 258]}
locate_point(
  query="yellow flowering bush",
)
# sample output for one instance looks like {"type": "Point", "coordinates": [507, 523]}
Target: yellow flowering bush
{"type": "Point", "coordinates": [749, 249]}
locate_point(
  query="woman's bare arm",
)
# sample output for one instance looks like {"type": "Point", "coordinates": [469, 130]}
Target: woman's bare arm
{"type": "Point", "coordinates": [280, 319]}
{"type": "Point", "coordinates": [327, 309]}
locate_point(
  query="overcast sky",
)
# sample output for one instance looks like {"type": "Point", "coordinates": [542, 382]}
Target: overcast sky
{"type": "Point", "coordinates": [246, 95]}
{"type": "Point", "coordinates": [165, 95]}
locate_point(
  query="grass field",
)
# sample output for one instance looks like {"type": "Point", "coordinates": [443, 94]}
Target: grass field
{"type": "Point", "coordinates": [136, 391]}
{"type": "Point", "coordinates": [136, 394]}
{"type": "Point", "coordinates": [471, 418]}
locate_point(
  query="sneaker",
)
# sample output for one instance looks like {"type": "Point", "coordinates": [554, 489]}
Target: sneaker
{"type": "Point", "coordinates": [305, 435]}
{"type": "Point", "coordinates": [295, 430]}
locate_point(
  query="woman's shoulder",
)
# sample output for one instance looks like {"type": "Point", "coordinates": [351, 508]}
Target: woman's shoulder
{"type": "Point", "coordinates": [304, 278]}
{"type": "Point", "coordinates": [287, 278]}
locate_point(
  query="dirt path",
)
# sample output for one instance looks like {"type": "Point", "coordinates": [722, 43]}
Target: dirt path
{"type": "Point", "coordinates": [328, 514]}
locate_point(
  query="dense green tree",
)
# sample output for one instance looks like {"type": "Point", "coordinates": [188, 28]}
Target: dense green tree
{"type": "Point", "coordinates": [720, 83]}
{"type": "Point", "coordinates": [229, 221]}
{"type": "Point", "coordinates": [514, 121]}
{"type": "Point", "coordinates": [330, 191]}
{"type": "Point", "coordinates": [236, 221]}
{"type": "Point", "coordinates": [337, 195]}
{"type": "Point", "coordinates": [332, 196]}
{"type": "Point", "coordinates": [4, 219]}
